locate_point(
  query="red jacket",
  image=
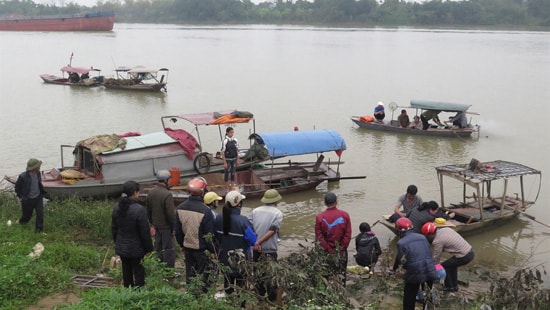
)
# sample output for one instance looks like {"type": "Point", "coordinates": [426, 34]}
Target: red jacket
{"type": "Point", "coordinates": [333, 226]}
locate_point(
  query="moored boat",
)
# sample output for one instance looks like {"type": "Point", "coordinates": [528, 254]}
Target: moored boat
{"type": "Point", "coordinates": [418, 106]}
{"type": "Point", "coordinates": [75, 76]}
{"type": "Point", "coordinates": [491, 202]}
{"type": "Point", "coordinates": [99, 21]}
{"type": "Point", "coordinates": [286, 176]}
{"type": "Point", "coordinates": [138, 79]}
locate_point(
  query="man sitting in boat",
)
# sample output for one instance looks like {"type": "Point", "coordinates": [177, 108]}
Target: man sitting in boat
{"type": "Point", "coordinates": [403, 119]}
{"type": "Point", "coordinates": [416, 123]}
{"type": "Point", "coordinates": [379, 113]}
{"type": "Point", "coordinates": [459, 120]}
{"type": "Point", "coordinates": [430, 115]}
{"type": "Point", "coordinates": [73, 77]}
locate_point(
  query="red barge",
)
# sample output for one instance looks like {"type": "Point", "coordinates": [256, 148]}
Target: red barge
{"type": "Point", "coordinates": [99, 21]}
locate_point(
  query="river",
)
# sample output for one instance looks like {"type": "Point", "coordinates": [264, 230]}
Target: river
{"type": "Point", "coordinates": [311, 78]}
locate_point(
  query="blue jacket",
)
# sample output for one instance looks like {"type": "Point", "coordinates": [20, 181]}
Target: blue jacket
{"type": "Point", "coordinates": [23, 185]}
{"type": "Point", "coordinates": [240, 236]}
{"type": "Point", "coordinates": [419, 265]}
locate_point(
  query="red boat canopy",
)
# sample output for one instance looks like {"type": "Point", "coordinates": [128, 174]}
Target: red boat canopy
{"type": "Point", "coordinates": [80, 70]}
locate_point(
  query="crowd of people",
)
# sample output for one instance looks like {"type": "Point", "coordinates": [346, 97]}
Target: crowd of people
{"type": "Point", "coordinates": [205, 236]}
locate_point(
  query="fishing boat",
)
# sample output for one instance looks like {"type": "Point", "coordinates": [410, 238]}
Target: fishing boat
{"type": "Point", "coordinates": [75, 76]}
{"type": "Point", "coordinates": [499, 194]}
{"type": "Point", "coordinates": [285, 176]}
{"type": "Point", "coordinates": [418, 106]}
{"type": "Point", "coordinates": [98, 21]}
{"type": "Point", "coordinates": [101, 164]}
{"type": "Point", "coordinates": [138, 79]}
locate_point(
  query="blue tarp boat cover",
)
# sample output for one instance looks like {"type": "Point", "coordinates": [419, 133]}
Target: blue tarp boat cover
{"type": "Point", "coordinates": [302, 142]}
{"type": "Point", "coordinates": [442, 106]}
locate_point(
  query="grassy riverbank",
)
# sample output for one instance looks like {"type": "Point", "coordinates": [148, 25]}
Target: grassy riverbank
{"type": "Point", "coordinates": [77, 240]}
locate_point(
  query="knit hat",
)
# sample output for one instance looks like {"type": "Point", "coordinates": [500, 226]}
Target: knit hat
{"type": "Point", "coordinates": [33, 163]}
{"type": "Point", "coordinates": [271, 196]}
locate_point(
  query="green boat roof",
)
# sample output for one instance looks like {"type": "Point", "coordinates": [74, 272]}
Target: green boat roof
{"type": "Point", "coordinates": [437, 105]}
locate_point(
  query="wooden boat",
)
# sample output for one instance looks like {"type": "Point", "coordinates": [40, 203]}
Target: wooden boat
{"type": "Point", "coordinates": [254, 182]}
{"type": "Point", "coordinates": [74, 76]}
{"type": "Point", "coordinates": [99, 21]}
{"type": "Point", "coordinates": [288, 176]}
{"type": "Point", "coordinates": [485, 207]}
{"type": "Point", "coordinates": [419, 105]}
{"type": "Point", "coordinates": [138, 79]}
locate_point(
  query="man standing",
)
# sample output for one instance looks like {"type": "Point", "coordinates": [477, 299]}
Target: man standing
{"type": "Point", "coordinates": [162, 216]}
{"type": "Point", "coordinates": [418, 263]}
{"type": "Point", "coordinates": [30, 191]}
{"type": "Point", "coordinates": [446, 239]}
{"type": "Point", "coordinates": [194, 231]}
{"type": "Point", "coordinates": [230, 157]}
{"type": "Point", "coordinates": [267, 220]}
{"type": "Point", "coordinates": [430, 115]}
{"type": "Point", "coordinates": [333, 231]}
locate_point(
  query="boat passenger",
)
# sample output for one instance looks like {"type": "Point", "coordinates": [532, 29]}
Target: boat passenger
{"type": "Point", "coordinates": [426, 212]}
{"type": "Point", "coordinates": [403, 119]}
{"type": "Point", "coordinates": [459, 120]}
{"type": "Point", "coordinates": [379, 113]}
{"type": "Point", "coordinates": [84, 76]}
{"type": "Point", "coordinates": [409, 201]}
{"type": "Point", "coordinates": [416, 123]}
{"type": "Point", "coordinates": [73, 77]}
{"type": "Point", "coordinates": [430, 115]}
{"type": "Point", "coordinates": [230, 157]}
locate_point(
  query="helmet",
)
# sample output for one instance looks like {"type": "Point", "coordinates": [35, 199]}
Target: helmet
{"type": "Point", "coordinates": [428, 228]}
{"type": "Point", "coordinates": [163, 175]}
{"type": "Point", "coordinates": [196, 186]}
{"type": "Point", "coordinates": [403, 224]}
{"type": "Point", "coordinates": [210, 197]}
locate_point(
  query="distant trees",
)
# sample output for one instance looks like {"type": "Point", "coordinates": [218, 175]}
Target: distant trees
{"type": "Point", "coordinates": [318, 12]}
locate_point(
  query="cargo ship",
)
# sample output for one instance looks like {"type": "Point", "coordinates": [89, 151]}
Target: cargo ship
{"type": "Point", "coordinates": [99, 21]}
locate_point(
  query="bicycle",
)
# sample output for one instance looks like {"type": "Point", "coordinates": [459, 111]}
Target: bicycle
{"type": "Point", "coordinates": [430, 297]}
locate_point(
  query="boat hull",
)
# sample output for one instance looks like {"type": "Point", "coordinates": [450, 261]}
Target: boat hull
{"type": "Point", "coordinates": [137, 87]}
{"type": "Point", "coordinates": [102, 21]}
{"type": "Point", "coordinates": [58, 80]}
{"type": "Point", "coordinates": [394, 127]}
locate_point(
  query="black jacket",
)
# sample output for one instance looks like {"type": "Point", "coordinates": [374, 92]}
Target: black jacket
{"type": "Point", "coordinates": [23, 185]}
{"type": "Point", "coordinates": [131, 232]}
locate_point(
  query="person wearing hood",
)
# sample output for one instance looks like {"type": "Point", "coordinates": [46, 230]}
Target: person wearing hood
{"type": "Point", "coordinates": [379, 113]}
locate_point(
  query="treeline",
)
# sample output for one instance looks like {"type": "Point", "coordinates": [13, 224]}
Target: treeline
{"type": "Point", "coordinates": [358, 13]}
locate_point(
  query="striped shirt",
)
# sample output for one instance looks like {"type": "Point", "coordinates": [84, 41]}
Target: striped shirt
{"type": "Point", "coordinates": [449, 241]}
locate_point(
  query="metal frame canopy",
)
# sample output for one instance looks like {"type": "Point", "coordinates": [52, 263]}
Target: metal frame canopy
{"type": "Point", "coordinates": [480, 176]}
{"type": "Point", "coordinates": [207, 119]}
{"type": "Point", "coordinates": [301, 142]}
{"type": "Point", "coordinates": [437, 105]}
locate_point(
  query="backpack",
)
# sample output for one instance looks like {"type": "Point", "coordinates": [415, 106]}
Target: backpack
{"type": "Point", "coordinates": [231, 149]}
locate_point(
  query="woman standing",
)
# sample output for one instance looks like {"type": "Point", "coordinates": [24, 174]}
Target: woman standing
{"type": "Point", "coordinates": [235, 236]}
{"type": "Point", "coordinates": [131, 234]}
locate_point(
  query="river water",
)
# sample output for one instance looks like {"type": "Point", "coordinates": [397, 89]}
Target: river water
{"type": "Point", "coordinates": [311, 78]}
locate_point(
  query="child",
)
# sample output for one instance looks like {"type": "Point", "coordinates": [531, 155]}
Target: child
{"type": "Point", "coordinates": [367, 246]}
